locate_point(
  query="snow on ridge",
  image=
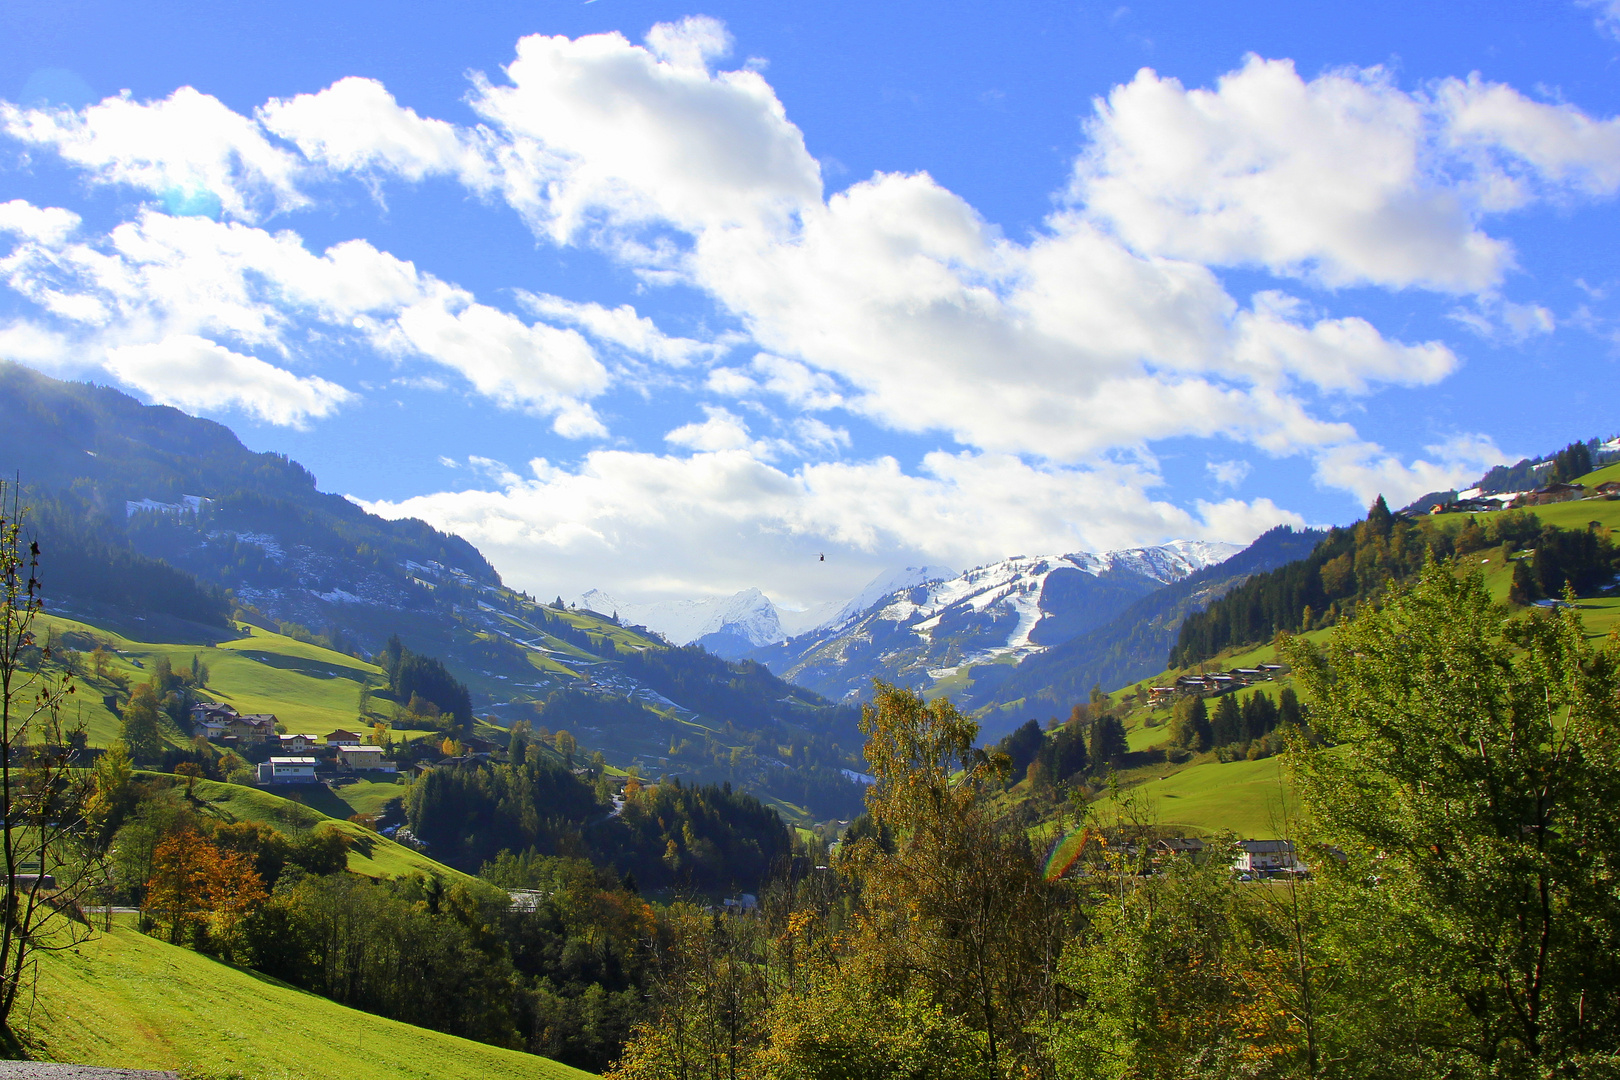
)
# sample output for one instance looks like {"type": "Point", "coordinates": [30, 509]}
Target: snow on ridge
{"type": "Point", "coordinates": [750, 614]}
{"type": "Point", "coordinates": [885, 585]}
{"type": "Point", "coordinates": [1019, 582]}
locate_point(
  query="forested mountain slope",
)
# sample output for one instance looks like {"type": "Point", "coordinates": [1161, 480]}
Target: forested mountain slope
{"type": "Point", "coordinates": [165, 527]}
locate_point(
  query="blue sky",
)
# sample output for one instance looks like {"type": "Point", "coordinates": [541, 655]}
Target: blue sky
{"type": "Point", "coordinates": [670, 300]}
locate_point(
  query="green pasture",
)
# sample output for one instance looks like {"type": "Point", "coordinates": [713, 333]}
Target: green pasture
{"type": "Point", "coordinates": [310, 689]}
{"type": "Point", "coordinates": [126, 1000]}
{"type": "Point", "coordinates": [368, 796]}
{"type": "Point", "coordinates": [1599, 476]}
{"type": "Point", "coordinates": [370, 855]}
{"type": "Point", "coordinates": [1244, 797]}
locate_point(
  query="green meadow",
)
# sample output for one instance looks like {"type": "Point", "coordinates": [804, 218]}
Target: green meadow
{"type": "Point", "coordinates": [126, 1000]}
{"type": "Point", "coordinates": [318, 808]}
{"type": "Point", "coordinates": [310, 689]}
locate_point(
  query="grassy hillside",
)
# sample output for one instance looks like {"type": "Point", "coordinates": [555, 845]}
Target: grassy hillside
{"type": "Point", "coordinates": [310, 689]}
{"type": "Point", "coordinates": [125, 999]}
{"type": "Point", "coordinates": [370, 854]}
{"type": "Point", "coordinates": [1244, 797]}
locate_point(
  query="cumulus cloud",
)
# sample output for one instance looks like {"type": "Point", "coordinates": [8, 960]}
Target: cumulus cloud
{"type": "Point", "coordinates": [355, 125]}
{"type": "Point", "coordinates": [722, 519]}
{"type": "Point", "coordinates": [162, 277]}
{"type": "Point", "coordinates": [1328, 178]}
{"type": "Point", "coordinates": [189, 150]}
{"type": "Point", "coordinates": [722, 430]}
{"type": "Point", "coordinates": [49, 225]}
{"type": "Point", "coordinates": [537, 366]}
{"type": "Point", "coordinates": [196, 373]}
{"type": "Point", "coordinates": [1368, 470]}
{"type": "Point", "coordinates": [1044, 357]}
{"type": "Point", "coordinates": [598, 129]}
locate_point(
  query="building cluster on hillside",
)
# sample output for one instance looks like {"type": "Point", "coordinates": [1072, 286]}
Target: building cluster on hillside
{"type": "Point", "coordinates": [1545, 495]}
{"type": "Point", "coordinates": [295, 759]}
{"type": "Point", "coordinates": [1213, 682]}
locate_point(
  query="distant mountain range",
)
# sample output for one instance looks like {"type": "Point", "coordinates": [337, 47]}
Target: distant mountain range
{"type": "Point", "coordinates": [733, 626]}
{"type": "Point", "coordinates": [932, 629]}
{"type": "Point", "coordinates": [149, 513]}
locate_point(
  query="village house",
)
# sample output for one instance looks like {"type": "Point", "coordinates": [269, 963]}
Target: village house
{"type": "Point", "coordinates": [1188, 846]}
{"type": "Point", "coordinates": [342, 738]}
{"type": "Point", "coordinates": [1551, 493]}
{"type": "Point", "coordinates": [363, 758]}
{"type": "Point", "coordinates": [211, 712]}
{"type": "Point", "coordinates": [252, 727]}
{"type": "Point", "coordinates": [211, 730]}
{"type": "Point", "coordinates": [1266, 857]}
{"type": "Point", "coordinates": [287, 770]}
{"type": "Point", "coordinates": [297, 744]}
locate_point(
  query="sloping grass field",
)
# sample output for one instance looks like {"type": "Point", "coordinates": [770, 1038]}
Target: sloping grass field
{"type": "Point", "coordinates": [369, 854]}
{"type": "Point", "coordinates": [127, 1000]}
{"type": "Point", "coordinates": [1246, 797]}
{"type": "Point", "coordinates": [310, 689]}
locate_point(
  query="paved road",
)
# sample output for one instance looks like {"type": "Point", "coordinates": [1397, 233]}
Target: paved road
{"type": "Point", "coordinates": [47, 1070]}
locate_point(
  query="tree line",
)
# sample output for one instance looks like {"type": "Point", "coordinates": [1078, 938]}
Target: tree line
{"type": "Point", "coordinates": [1355, 565]}
{"type": "Point", "coordinates": [669, 835]}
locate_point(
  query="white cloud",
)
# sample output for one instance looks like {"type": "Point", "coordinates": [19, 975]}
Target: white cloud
{"type": "Point", "coordinates": [1335, 354]}
{"type": "Point", "coordinates": [1523, 143]}
{"type": "Point", "coordinates": [161, 277]}
{"type": "Point", "coordinates": [795, 383]}
{"type": "Point", "coordinates": [1228, 473]}
{"type": "Point", "coordinates": [34, 345]}
{"type": "Point", "coordinates": [355, 125]}
{"type": "Point", "coordinates": [620, 326]}
{"type": "Point", "coordinates": [1327, 178]}
{"type": "Point", "coordinates": [1496, 319]}
{"type": "Point", "coordinates": [722, 430]}
{"type": "Point", "coordinates": [892, 299]}
{"type": "Point", "coordinates": [597, 129]}
{"type": "Point", "coordinates": [49, 225]}
{"type": "Point", "coordinates": [196, 373]}
{"type": "Point", "coordinates": [690, 43]}
{"type": "Point", "coordinates": [1367, 470]}
{"type": "Point", "coordinates": [539, 367]}
{"type": "Point", "coordinates": [818, 436]}
{"type": "Point", "coordinates": [719, 520]}
{"type": "Point", "coordinates": [189, 149]}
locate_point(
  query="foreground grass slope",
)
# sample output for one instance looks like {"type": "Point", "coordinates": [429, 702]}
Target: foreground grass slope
{"type": "Point", "coordinates": [125, 999]}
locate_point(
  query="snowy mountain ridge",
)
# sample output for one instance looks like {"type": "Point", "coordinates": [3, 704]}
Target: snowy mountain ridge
{"type": "Point", "coordinates": [748, 616]}
{"type": "Point", "coordinates": [933, 626]}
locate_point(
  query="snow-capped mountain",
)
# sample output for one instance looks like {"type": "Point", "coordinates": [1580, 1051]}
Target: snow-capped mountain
{"type": "Point", "coordinates": [934, 625]}
{"type": "Point", "coordinates": [725, 625]}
